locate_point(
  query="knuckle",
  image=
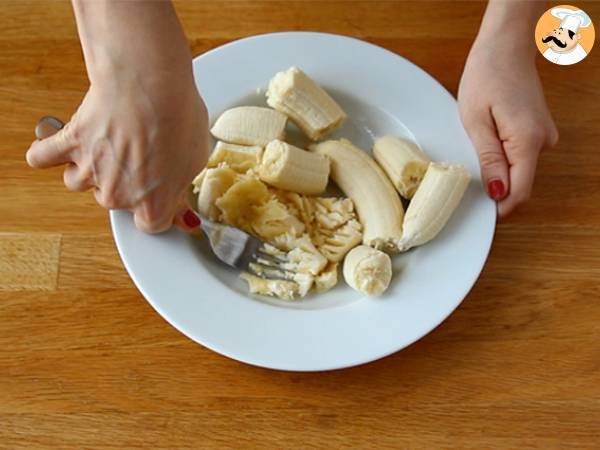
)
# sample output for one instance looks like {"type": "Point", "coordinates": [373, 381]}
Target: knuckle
{"type": "Point", "coordinates": [538, 135]}
{"type": "Point", "coordinates": [108, 200]}
{"type": "Point", "coordinates": [522, 196]}
{"type": "Point", "coordinates": [534, 135]}
{"type": "Point", "coordinates": [490, 157]}
{"type": "Point", "coordinates": [150, 226]}
{"type": "Point", "coordinates": [150, 218]}
{"type": "Point", "coordinates": [554, 136]}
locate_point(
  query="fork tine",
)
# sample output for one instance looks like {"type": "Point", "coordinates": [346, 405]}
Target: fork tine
{"type": "Point", "coordinates": [269, 272]}
{"type": "Point", "coordinates": [263, 254]}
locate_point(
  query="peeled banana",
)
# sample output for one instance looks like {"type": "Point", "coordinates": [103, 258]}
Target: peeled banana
{"type": "Point", "coordinates": [375, 199]}
{"type": "Point", "coordinates": [239, 157]}
{"type": "Point", "coordinates": [293, 169]}
{"type": "Point", "coordinates": [249, 125]}
{"type": "Point", "coordinates": [368, 270]}
{"type": "Point", "coordinates": [403, 162]}
{"type": "Point", "coordinates": [295, 94]}
{"type": "Point", "coordinates": [434, 202]}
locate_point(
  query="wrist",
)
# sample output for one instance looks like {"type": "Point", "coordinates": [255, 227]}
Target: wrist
{"type": "Point", "coordinates": [143, 39]}
{"type": "Point", "coordinates": [508, 28]}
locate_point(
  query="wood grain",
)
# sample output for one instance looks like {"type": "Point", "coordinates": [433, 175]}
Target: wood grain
{"type": "Point", "coordinates": [85, 362]}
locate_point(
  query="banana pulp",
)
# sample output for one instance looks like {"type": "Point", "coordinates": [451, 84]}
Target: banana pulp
{"type": "Point", "coordinates": [310, 234]}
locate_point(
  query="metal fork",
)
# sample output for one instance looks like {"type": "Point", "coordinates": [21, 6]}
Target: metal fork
{"type": "Point", "coordinates": [240, 250]}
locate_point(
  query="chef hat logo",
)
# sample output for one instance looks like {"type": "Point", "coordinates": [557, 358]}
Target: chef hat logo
{"type": "Point", "coordinates": [570, 19]}
{"type": "Point", "coordinates": [565, 35]}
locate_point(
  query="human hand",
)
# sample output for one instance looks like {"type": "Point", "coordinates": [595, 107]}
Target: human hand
{"type": "Point", "coordinates": [503, 109]}
{"type": "Point", "coordinates": [141, 133]}
{"type": "Point", "coordinates": [138, 144]}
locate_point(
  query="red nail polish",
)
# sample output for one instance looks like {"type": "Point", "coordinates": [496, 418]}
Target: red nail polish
{"type": "Point", "coordinates": [191, 219]}
{"type": "Point", "coordinates": [496, 189]}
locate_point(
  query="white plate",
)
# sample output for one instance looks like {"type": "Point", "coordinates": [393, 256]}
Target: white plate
{"type": "Point", "coordinates": [383, 94]}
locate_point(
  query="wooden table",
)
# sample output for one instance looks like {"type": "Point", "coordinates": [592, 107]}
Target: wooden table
{"type": "Point", "coordinates": [85, 362]}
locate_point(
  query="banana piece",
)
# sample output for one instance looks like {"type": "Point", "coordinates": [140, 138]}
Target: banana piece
{"type": "Point", "coordinates": [291, 168]}
{"type": "Point", "coordinates": [274, 218]}
{"type": "Point", "coordinates": [239, 157]}
{"type": "Point", "coordinates": [295, 94]}
{"type": "Point", "coordinates": [375, 199]}
{"type": "Point", "coordinates": [368, 270]}
{"type": "Point", "coordinates": [333, 212]}
{"type": "Point", "coordinates": [302, 255]}
{"type": "Point", "coordinates": [214, 183]}
{"type": "Point", "coordinates": [249, 125]}
{"type": "Point", "coordinates": [327, 279]}
{"type": "Point", "coordinates": [197, 182]}
{"type": "Point", "coordinates": [432, 205]}
{"type": "Point", "coordinates": [334, 244]}
{"type": "Point", "coordinates": [403, 162]}
{"type": "Point", "coordinates": [238, 205]}
{"type": "Point", "coordinates": [284, 289]}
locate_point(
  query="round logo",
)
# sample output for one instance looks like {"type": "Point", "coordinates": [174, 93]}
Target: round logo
{"type": "Point", "coordinates": [565, 35]}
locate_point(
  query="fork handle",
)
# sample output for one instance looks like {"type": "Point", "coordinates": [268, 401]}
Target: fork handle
{"type": "Point", "coordinates": [47, 126]}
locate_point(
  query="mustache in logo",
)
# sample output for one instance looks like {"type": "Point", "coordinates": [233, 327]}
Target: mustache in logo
{"type": "Point", "coordinates": [556, 41]}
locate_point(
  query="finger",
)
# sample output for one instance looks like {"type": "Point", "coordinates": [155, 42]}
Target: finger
{"type": "Point", "coordinates": [186, 219]}
{"type": "Point", "coordinates": [108, 200]}
{"type": "Point", "coordinates": [151, 218]}
{"type": "Point", "coordinates": [76, 180]}
{"type": "Point", "coordinates": [522, 175]}
{"type": "Point", "coordinates": [51, 151]}
{"type": "Point", "coordinates": [494, 166]}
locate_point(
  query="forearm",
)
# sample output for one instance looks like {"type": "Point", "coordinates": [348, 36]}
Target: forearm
{"type": "Point", "coordinates": [513, 22]}
{"type": "Point", "coordinates": [140, 36]}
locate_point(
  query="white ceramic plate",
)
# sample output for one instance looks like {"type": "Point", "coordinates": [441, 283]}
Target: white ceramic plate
{"type": "Point", "coordinates": [382, 93]}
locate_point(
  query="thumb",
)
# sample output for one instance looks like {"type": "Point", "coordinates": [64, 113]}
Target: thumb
{"type": "Point", "coordinates": [492, 159]}
{"type": "Point", "coordinates": [52, 149]}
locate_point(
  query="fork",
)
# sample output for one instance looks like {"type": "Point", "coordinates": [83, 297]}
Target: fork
{"type": "Point", "coordinates": [240, 250]}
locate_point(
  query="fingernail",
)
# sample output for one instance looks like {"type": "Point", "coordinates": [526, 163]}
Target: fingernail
{"type": "Point", "coordinates": [191, 219]}
{"type": "Point", "coordinates": [496, 189]}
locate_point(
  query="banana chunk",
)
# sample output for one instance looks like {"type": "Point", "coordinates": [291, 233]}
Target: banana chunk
{"type": "Point", "coordinates": [334, 244]}
{"type": "Point", "coordinates": [215, 183]}
{"type": "Point", "coordinates": [376, 201]}
{"type": "Point", "coordinates": [434, 202]}
{"type": "Point", "coordinates": [327, 279]}
{"type": "Point", "coordinates": [239, 204]}
{"type": "Point", "coordinates": [249, 125]}
{"type": "Point", "coordinates": [403, 162]}
{"type": "Point", "coordinates": [295, 94]}
{"type": "Point", "coordinates": [368, 270]}
{"type": "Point", "coordinates": [293, 169]}
{"type": "Point", "coordinates": [284, 289]}
{"type": "Point", "coordinates": [239, 157]}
